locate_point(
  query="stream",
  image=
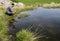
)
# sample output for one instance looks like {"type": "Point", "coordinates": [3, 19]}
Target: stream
{"type": "Point", "coordinates": [42, 22]}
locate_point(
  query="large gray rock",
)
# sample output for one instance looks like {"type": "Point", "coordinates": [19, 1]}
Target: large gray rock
{"type": "Point", "coordinates": [8, 2]}
{"type": "Point", "coordinates": [19, 4]}
{"type": "Point", "coordinates": [5, 2]}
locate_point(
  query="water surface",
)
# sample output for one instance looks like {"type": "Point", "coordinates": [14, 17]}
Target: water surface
{"type": "Point", "coordinates": [42, 21]}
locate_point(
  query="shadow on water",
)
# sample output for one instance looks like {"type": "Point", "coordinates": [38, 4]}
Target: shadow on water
{"type": "Point", "coordinates": [43, 22]}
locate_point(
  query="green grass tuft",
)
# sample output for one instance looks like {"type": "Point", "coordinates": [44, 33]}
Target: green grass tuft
{"type": "Point", "coordinates": [25, 35]}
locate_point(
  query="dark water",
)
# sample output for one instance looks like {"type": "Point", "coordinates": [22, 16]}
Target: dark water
{"type": "Point", "coordinates": [43, 22]}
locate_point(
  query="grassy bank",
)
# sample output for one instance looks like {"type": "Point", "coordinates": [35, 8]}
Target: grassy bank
{"type": "Point", "coordinates": [4, 20]}
{"type": "Point", "coordinates": [30, 2]}
{"type": "Point", "coordinates": [42, 3]}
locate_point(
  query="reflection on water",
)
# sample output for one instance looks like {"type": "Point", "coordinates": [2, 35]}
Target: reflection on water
{"type": "Point", "coordinates": [43, 22]}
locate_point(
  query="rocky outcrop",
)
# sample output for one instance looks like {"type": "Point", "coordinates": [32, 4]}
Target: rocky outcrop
{"type": "Point", "coordinates": [6, 3]}
{"type": "Point", "coordinates": [19, 4]}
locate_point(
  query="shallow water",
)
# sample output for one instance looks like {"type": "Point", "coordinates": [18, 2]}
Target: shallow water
{"type": "Point", "coordinates": [42, 21]}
